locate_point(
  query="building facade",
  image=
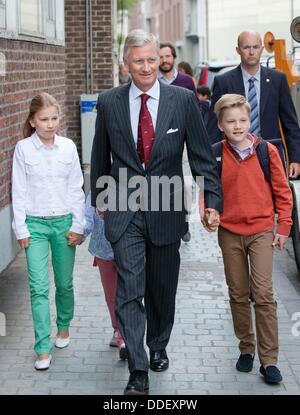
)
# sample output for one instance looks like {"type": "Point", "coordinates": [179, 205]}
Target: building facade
{"type": "Point", "coordinates": [62, 47]}
{"type": "Point", "coordinates": [181, 22]}
{"type": "Point", "coordinates": [207, 30]}
{"type": "Point", "coordinates": [226, 19]}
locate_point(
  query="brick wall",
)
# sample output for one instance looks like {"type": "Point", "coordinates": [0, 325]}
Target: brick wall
{"type": "Point", "coordinates": [77, 54]}
{"type": "Point", "coordinates": [30, 68]}
{"type": "Point", "coordinates": [33, 67]}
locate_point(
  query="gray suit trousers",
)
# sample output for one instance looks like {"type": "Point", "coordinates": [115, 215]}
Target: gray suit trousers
{"type": "Point", "coordinates": [150, 272]}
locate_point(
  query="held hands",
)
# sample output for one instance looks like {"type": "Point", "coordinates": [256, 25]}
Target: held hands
{"type": "Point", "coordinates": [74, 238]}
{"type": "Point", "coordinates": [294, 170]}
{"type": "Point", "coordinates": [24, 243]}
{"type": "Point", "coordinates": [100, 213]}
{"type": "Point", "coordinates": [279, 241]}
{"type": "Point", "coordinates": [210, 219]}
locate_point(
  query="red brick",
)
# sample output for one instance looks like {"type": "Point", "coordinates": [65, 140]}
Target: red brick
{"type": "Point", "coordinates": [61, 71]}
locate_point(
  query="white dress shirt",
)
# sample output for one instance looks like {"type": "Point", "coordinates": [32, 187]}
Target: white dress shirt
{"type": "Point", "coordinates": [135, 106]}
{"type": "Point", "coordinates": [247, 151]}
{"type": "Point", "coordinates": [46, 181]}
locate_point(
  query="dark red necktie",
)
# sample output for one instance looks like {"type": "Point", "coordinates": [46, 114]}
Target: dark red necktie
{"type": "Point", "coordinates": [145, 131]}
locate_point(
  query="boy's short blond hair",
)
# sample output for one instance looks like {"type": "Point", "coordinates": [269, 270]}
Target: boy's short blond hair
{"type": "Point", "coordinates": [231, 101]}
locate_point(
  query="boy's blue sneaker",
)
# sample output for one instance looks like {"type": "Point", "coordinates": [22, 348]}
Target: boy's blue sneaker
{"type": "Point", "coordinates": [245, 363]}
{"type": "Point", "coordinates": [271, 374]}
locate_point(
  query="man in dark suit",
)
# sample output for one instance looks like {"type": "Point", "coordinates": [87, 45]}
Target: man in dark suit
{"type": "Point", "coordinates": [140, 133]}
{"type": "Point", "coordinates": [269, 94]}
{"type": "Point", "coordinates": [169, 75]}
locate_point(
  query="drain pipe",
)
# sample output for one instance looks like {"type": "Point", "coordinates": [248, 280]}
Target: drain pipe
{"type": "Point", "coordinates": [87, 45]}
{"type": "Point", "coordinates": [91, 48]}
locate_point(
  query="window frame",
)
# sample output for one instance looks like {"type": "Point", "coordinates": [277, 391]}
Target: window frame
{"type": "Point", "coordinates": [3, 14]}
{"type": "Point", "coordinates": [40, 33]}
{"type": "Point", "coordinates": [51, 32]}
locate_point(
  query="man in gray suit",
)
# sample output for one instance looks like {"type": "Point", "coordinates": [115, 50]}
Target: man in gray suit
{"type": "Point", "coordinates": [140, 133]}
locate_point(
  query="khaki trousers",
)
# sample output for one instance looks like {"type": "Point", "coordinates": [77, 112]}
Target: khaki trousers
{"type": "Point", "coordinates": [248, 264]}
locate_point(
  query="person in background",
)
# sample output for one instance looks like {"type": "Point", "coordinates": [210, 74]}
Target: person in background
{"type": "Point", "coordinates": [186, 68]}
{"type": "Point", "coordinates": [246, 233]}
{"type": "Point", "coordinates": [204, 97]}
{"type": "Point", "coordinates": [48, 208]}
{"type": "Point", "coordinates": [124, 75]}
{"type": "Point", "coordinates": [168, 74]}
{"type": "Point", "coordinates": [101, 249]}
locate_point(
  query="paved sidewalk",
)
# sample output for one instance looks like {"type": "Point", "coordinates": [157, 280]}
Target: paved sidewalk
{"type": "Point", "coordinates": [202, 349]}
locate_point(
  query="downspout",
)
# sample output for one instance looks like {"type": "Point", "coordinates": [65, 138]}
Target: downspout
{"type": "Point", "coordinates": [91, 47]}
{"type": "Point", "coordinates": [207, 30]}
{"type": "Point", "coordinates": [87, 45]}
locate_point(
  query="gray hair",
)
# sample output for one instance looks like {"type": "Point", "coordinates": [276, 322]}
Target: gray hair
{"type": "Point", "coordinates": [139, 37]}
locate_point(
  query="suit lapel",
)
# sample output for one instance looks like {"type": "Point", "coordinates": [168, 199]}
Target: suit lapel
{"type": "Point", "coordinates": [165, 113]}
{"type": "Point", "coordinates": [237, 83]}
{"type": "Point", "coordinates": [123, 116]}
{"type": "Point", "coordinates": [265, 84]}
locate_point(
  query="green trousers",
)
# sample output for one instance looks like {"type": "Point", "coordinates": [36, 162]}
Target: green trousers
{"type": "Point", "coordinates": [42, 233]}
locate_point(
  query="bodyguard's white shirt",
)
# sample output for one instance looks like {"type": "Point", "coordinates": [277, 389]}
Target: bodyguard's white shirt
{"type": "Point", "coordinates": [46, 181]}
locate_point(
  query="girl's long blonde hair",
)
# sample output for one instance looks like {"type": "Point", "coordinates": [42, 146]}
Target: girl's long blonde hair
{"type": "Point", "coordinates": [40, 101]}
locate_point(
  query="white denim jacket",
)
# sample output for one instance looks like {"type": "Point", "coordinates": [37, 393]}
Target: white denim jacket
{"type": "Point", "coordinates": [46, 181]}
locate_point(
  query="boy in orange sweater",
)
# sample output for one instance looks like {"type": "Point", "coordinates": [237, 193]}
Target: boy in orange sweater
{"type": "Point", "coordinates": [246, 234]}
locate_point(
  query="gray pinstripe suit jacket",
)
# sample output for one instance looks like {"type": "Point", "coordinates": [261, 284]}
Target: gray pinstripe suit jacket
{"type": "Point", "coordinates": [114, 148]}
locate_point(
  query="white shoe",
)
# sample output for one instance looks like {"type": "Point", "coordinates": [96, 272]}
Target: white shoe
{"type": "Point", "coordinates": [62, 343]}
{"type": "Point", "coordinates": [43, 364]}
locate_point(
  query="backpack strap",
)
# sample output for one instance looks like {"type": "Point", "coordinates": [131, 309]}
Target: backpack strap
{"type": "Point", "coordinates": [263, 156]}
{"type": "Point", "coordinates": [218, 151]}
{"type": "Point", "coordinates": [277, 142]}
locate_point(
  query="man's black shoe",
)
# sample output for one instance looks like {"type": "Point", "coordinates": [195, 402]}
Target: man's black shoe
{"type": "Point", "coordinates": [159, 360]}
{"type": "Point", "coordinates": [138, 383]}
{"type": "Point", "coordinates": [271, 374]}
{"type": "Point", "coordinates": [245, 363]}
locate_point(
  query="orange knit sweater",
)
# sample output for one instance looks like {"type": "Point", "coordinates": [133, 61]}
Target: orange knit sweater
{"type": "Point", "coordinates": [248, 201]}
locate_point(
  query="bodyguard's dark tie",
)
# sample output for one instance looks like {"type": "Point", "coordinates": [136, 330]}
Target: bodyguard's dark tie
{"type": "Point", "coordinates": [252, 99]}
{"type": "Point", "coordinates": [145, 131]}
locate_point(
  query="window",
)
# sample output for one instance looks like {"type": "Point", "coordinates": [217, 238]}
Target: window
{"type": "Point", "coordinates": [30, 16]}
{"type": "Point", "coordinates": [50, 18]}
{"type": "Point", "coordinates": [51, 10]}
{"type": "Point", "coordinates": [3, 14]}
{"type": "Point", "coordinates": [33, 20]}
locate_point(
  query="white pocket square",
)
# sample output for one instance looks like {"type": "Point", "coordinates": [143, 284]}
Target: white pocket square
{"type": "Point", "coordinates": [170, 131]}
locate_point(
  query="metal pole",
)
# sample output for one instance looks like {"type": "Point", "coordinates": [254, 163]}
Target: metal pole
{"type": "Point", "coordinates": [87, 44]}
{"type": "Point", "coordinates": [91, 47]}
{"type": "Point", "coordinates": [121, 34]}
{"type": "Point", "coordinates": [292, 17]}
{"type": "Point", "coordinates": [207, 30]}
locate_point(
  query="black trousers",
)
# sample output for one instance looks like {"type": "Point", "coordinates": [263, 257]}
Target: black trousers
{"type": "Point", "coordinates": [145, 272]}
